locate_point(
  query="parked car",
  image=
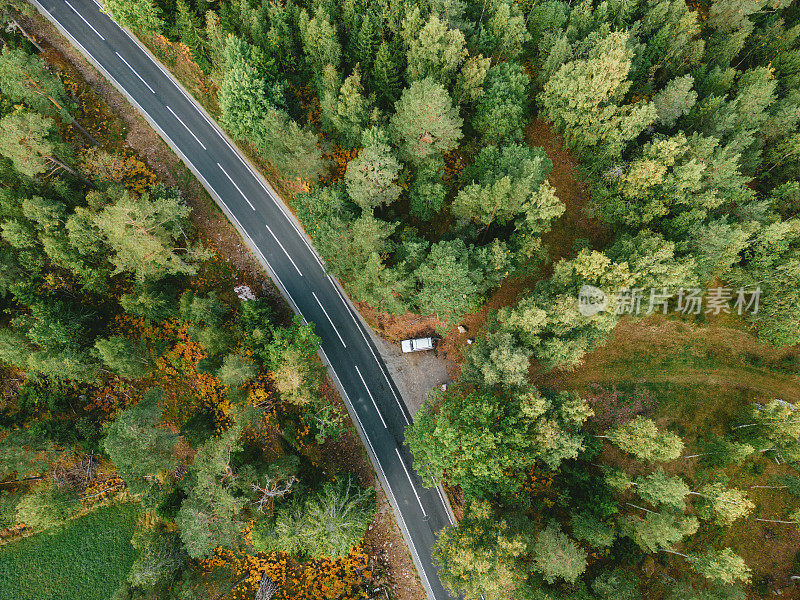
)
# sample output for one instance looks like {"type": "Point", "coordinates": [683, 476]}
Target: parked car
{"type": "Point", "coordinates": [417, 344]}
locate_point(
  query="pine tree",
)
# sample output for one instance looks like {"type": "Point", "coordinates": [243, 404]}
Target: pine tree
{"type": "Point", "coordinates": [556, 556]}
{"type": "Point", "coordinates": [208, 517]}
{"type": "Point", "coordinates": [425, 123]}
{"type": "Point", "coordinates": [505, 184]}
{"type": "Point", "coordinates": [584, 99]}
{"type": "Point", "coordinates": [143, 231]}
{"type": "Point", "coordinates": [292, 149]}
{"type": "Point", "coordinates": [370, 177]}
{"type": "Point", "coordinates": [499, 359]}
{"type": "Point", "coordinates": [125, 357]}
{"type": "Point", "coordinates": [385, 288]}
{"type": "Point", "coordinates": [320, 40]}
{"type": "Point", "coordinates": [338, 517]}
{"type": "Point", "coordinates": [25, 138]}
{"type": "Point", "coordinates": [242, 96]}
{"type": "Point", "coordinates": [187, 24]}
{"type": "Point", "coordinates": [477, 439]}
{"type": "Point", "coordinates": [505, 32]}
{"type": "Point", "coordinates": [345, 111]}
{"type": "Point", "coordinates": [436, 52]}
{"type": "Point", "coordinates": [588, 528]}
{"type": "Point", "coordinates": [328, 523]}
{"type": "Point", "coordinates": [385, 78]}
{"type": "Point", "coordinates": [449, 282]}
{"type": "Point", "coordinates": [365, 44]}
{"type": "Point", "coordinates": [468, 86]}
{"type": "Point", "coordinates": [675, 100]}
{"type": "Point", "coordinates": [25, 78]}
{"type": "Point", "coordinates": [160, 553]}
{"type": "Point", "coordinates": [501, 111]}
{"type": "Point", "coordinates": [292, 355]}
{"type": "Point", "coordinates": [236, 370]}
{"type": "Point", "coordinates": [138, 445]}
{"type": "Point", "coordinates": [139, 15]}
{"type": "Point", "coordinates": [427, 194]}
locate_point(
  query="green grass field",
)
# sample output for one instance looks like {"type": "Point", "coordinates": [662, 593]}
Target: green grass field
{"type": "Point", "coordinates": [87, 559]}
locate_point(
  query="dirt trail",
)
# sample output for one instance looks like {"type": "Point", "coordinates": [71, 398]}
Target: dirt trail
{"type": "Point", "coordinates": [658, 350]}
{"type": "Point", "coordinates": [573, 191]}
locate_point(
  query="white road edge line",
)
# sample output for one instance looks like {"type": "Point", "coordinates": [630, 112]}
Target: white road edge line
{"type": "Point", "coordinates": [92, 59]}
{"type": "Point", "coordinates": [444, 502]}
{"type": "Point", "coordinates": [366, 387]}
{"type": "Point", "coordinates": [236, 186]}
{"type": "Point", "coordinates": [287, 254]}
{"type": "Point", "coordinates": [411, 482]}
{"type": "Point", "coordinates": [134, 72]}
{"type": "Point", "coordinates": [175, 147]}
{"type": "Point", "coordinates": [279, 203]}
{"type": "Point", "coordinates": [329, 319]}
{"type": "Point", "coordinates": [380, 366]}
{"type": "Point", "coordinates": [187, 128]}
{"type": "Point", "coordinates": [84, 20]}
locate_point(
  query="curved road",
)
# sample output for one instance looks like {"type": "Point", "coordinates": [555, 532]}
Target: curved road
{"type": "Point", "coordinates": [275, 236]}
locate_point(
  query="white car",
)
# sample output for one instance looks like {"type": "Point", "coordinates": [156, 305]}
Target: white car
{"type": "Point", "coordinates": [417, 344]}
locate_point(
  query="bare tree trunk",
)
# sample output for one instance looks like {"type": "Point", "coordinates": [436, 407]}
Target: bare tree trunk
{"type": "Point", "coordinates": [686, 556]}
{"type": "Point", "coordinates": [22, 30]}
{"type": "Point", "coordinates": [267, 588]}
{"type": "Point", "coordinates": [652, 512]}
{"type": "Point", "coordinates": [777, 521]}
{"type": "Point", "coordinates": [88, 135]}
{"type": "Point", "coordinates": [72, 171]}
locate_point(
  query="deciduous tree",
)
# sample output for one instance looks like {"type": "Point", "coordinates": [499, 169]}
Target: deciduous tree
{"type": "Point", "coordinates": [478, 558]}
{"type": "Point", "coordinates": [641, 437]}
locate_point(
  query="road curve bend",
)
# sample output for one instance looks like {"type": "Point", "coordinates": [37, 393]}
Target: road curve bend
{"type": "Point", "coordinates": [285, 251]}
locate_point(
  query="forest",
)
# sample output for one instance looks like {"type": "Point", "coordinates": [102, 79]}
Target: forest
{"type": "Point", "coordinates": [168, 432]}
{"type": "Point", "coordinates": [400, 134]}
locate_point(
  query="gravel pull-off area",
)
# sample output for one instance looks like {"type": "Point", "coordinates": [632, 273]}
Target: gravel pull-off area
{"type": "Point", "coordinates": [415, 373]}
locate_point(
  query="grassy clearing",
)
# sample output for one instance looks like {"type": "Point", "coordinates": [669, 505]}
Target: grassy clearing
{"type": "Point", "coordinates": [662, 351]}
{"type": "Point", "coordinates": [86, 559]}
{"type": "Point", "coordinates": [694, 379]}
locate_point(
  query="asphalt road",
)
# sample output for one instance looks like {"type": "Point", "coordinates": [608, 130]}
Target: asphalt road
{"type": "Point", "coordinates": [270, 230]}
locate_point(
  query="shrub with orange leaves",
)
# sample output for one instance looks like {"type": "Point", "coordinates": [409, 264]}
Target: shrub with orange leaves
{"type": "Point", "coordinates": [187, 390]}
{"type": "Point", "coordinates": [453, 165]}
{"type": "Point", "coordinates": [115, 395]}
{"type": "Point", "coordinates": [328, 578]}
{"type": "Point", "coordinates": [339, 158]}
{"type": "Point", "coordinates": [324, 579]}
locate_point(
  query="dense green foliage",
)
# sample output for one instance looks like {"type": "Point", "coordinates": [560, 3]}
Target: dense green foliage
{"type": "Point", "coordinates": [685, 119]}
{"type": "Point", "coordinates": [138, 373]}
